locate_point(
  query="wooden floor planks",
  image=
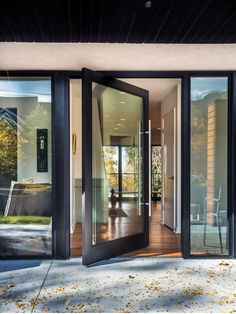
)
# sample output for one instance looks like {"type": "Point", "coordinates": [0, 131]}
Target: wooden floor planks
{"type": "Point", "coordinates": [163, 241]}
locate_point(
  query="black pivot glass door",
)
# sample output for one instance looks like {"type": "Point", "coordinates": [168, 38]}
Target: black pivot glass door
{"type": "Point", "coordinates": [115, 167]}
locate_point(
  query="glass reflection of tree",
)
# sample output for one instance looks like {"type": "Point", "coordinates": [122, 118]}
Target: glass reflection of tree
{"type": "Point", "coordinates": [130, 169]}
{"type": "Point", "coordinates": [10, 138]}
{"type": "Point", "coordinates": [110, 155]}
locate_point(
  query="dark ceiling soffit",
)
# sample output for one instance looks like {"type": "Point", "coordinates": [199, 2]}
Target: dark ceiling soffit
{"type": "Point", "coordinates": [118, 21]}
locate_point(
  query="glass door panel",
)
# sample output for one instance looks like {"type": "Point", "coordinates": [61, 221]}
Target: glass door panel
{"type": "Point", "coordinates": [114, 191]}
{"type": "Point", "coordinates": [209, 174]}
{"type": "Point", "coordinates": [115, 119]}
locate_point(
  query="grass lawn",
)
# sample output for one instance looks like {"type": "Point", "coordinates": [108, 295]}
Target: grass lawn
{"type": "Point", "coordinates": [38, 220]}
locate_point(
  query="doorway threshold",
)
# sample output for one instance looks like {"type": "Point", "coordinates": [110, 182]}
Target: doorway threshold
{"type": "Point", "coordinates": [151, 254]}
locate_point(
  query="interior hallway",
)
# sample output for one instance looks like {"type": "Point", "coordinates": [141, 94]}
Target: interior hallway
{"type": "Point", "coordinates": [163, 241]}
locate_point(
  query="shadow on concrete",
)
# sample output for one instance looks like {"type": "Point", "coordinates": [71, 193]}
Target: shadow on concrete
{"type": "Point", "coordinates": [110, 261]}
{"type": "Point", "coordinates": [9, 265]}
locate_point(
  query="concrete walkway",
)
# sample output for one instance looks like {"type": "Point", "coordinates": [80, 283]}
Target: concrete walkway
{"type": "Point", "coordinates": [119, 285]}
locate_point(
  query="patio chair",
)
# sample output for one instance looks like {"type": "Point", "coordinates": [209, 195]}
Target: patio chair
{"type": "Point", "coordinates": [216, 213]}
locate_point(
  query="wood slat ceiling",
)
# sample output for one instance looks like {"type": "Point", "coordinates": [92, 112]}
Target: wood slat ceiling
{"type": "Point", "coordinates": [122, 21]}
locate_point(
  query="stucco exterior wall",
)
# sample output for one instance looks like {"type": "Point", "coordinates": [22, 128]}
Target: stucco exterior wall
{"type": "Point", "coordinates": [99, 56]}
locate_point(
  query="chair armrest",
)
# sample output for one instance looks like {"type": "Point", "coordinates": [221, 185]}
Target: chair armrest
{"type": "Point", "coordinates": [211, 199]}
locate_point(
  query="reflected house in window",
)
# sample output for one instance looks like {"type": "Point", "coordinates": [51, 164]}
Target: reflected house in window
{"type": "Point", "coordinates": [8, 140]}
{"type": "Point", "coordinates": [25, 188]}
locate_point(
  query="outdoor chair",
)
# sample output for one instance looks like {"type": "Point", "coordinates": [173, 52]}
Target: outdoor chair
{"type": "Point", "coordinates": [216, 213]}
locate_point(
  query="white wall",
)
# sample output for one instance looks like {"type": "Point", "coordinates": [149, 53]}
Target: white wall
{"type": "Point", "coordinates": [170, 102]}
{"type": "Point", "coordinates": [76, 124]}
{"type": "Point", "coordinates": [155, 116]}
{"type": "Point", "coordinates": [76, 159]}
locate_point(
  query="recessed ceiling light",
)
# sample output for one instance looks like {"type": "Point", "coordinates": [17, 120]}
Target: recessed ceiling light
{"type": "Point", "coordinates": [122, 102]}
{"type": "Point", "coordinates": [118, 124]}
{"type": "Point", "coordinates": [115, 128]}
{"type": "Point", "coordinates": [122, 119]}
{"type": "Point", "coordinates": [148, 4]}
{"type": "Point", "coordinates": [122, 93]}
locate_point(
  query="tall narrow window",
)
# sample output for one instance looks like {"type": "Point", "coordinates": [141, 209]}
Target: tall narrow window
{"type": "Point", "coordinates": [25, 166]}
{"type": "Point", "coordinates": [209, 124]}
{"type": "Point", "coordinates": [129, 171]}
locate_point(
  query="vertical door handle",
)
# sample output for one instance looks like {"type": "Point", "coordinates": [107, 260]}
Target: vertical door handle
{"type": "Point", "coordinates": [149, 204]}
{"type": "Point", "coordinates": [139, 170]}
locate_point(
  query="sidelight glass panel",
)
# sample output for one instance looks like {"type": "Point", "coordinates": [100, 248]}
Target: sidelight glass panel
{"type": "Point", "coordinates": [209, 207]}
{"type": "Point", "coordinates": [116, 148]}
{"type": "Point", "coordinates": [25, 166]}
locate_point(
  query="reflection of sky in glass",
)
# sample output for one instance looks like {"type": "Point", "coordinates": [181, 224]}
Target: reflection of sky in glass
{"type": "Point", "coordinates": [26, 88]}
{"type": "Point", "coordinates": [200, 87]}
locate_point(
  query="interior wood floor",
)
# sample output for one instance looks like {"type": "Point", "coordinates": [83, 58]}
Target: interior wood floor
{"type": "Point", "coordinates": [163, 241]}
{"type": "Point", "coordinates": [76, 241]}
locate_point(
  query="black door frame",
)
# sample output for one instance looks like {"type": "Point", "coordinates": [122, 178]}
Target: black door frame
{"type": "Point", "coordinates": [94, 253]}
{"type": "Point", "coordinates": [61, 152]}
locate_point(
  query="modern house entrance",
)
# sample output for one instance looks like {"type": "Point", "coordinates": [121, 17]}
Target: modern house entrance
{"type": "Point", "coordinates": [113, 183]}
{"type": "Point", "coordinates": [100, 162]}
